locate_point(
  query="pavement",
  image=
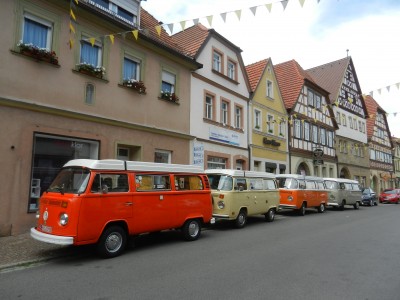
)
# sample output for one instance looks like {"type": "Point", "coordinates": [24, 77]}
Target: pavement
{"type": "Point", "coordinates": [22, 250]}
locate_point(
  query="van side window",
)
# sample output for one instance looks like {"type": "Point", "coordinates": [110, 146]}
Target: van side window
{"type": "Point", "coordinates": [310, 185]}
{"type": "Point", "coordinates": [152, 182]}
{"type": "Point", "coordinates": [356, 187]}
{"type": "Point", "coordinates": [241, 184]}
{"type": "Point", "coordinates": [342, 186]}
{"type": "Point", "coordinates": [269, 184]}
{"type": "Point", "coordinates": [348, 186]}
{"type": "Point", "coordinates": [115, 183]}
{"type": "Point", "coordinates": [302, 184]}
{"type": "Point", "coordinates": [188, 182]}
{"type": "Point", "coordinates": [256, 183]}
{"type": "Point", "coordinates": [321, 185]}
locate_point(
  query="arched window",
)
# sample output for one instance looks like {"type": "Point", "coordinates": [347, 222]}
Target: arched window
{"type": "Point", "coordinates": [89, 94]}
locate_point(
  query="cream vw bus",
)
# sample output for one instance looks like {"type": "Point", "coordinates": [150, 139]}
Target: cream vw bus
{"type": "Point", "coordinates": [238, 194]}
{"type": "Point", "coordinates": [343, 192]}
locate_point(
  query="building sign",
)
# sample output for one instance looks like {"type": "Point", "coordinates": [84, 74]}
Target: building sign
{"type": "Point", "coordinates": [350, 97]}
{"type": "Point", "coordinates": [198, 154]}
{"type": "Point", "coordinates": [224, 136]}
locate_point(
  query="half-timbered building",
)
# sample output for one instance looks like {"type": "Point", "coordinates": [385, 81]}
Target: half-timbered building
{"type": "Point", "coordinates": [379, 145]}
{"type": "Point", "coordinates": [339, 78]}
{"type": "Point", "coordinates": [311, 122]}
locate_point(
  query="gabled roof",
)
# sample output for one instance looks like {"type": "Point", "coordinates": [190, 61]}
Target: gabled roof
{"type": "Point", "coordinates": [291, 78]}
{"type": "Point", "coordinates": [255, 72]}
{"type": "Point", "coordinates": [192, 38]}
{"type": "Point", "coordinates": [330, 76]}
{"type": "Point", "coordinates": [372, 109]}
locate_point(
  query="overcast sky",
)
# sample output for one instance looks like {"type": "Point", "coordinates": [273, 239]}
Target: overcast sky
{"type": "Point", "coordinates": [315, 34]}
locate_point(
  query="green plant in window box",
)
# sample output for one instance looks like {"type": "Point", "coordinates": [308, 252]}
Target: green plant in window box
{"type": "Point", "coordinates": [169, 96]}
{"type": "Point", "coordinates": [135, 84]}
{"type": "Point", "coordinates": [37, 53]}
{"type": "Point", "coordinates": [257, 127]}
{"type": "Point", "coordinates": [91, 70]}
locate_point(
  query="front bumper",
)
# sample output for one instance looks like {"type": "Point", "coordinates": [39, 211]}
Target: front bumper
{"type": "Point", "coordinates": [50, 238]}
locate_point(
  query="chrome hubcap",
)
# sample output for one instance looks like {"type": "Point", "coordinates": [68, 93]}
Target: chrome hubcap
{"type": "Point", "coordinates": [193, 229]}
{"type": "Point", "coordinates": [114, 242]}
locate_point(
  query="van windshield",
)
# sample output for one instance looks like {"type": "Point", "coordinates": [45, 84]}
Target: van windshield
{"type": "Point", "coordinates": [70, 180]}
{"type": "Point", "coordinates": [331, 185]}
{"type": "Point", "coordinates": [288, 183]}
{"type": "Point", "coordinates": [220, 182]}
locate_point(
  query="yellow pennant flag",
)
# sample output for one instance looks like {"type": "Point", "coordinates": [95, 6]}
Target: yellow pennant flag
{"type": "Point", "coordinates": [76, 1]}
{"type": "Point", "coordinates": [158, 29]}
{"type": "Point", "coordinates": [209, 19]}
{"type": "Point", "coordinates": [268, 6]}
{"type": "Point", "coordinates": [302, 2]}
{"type": "Point", "coordinates": [71, 27]}
{"type": "Point", "coordinates": [71, 43]}
{"type": "Point", "coordinates": [135, 33]}
{"type": "Point", "coordinates": [183, 25]}
{"type": "Point", "coordinates": [111, 38]}
{"type": "Point", "coordinates": [92, 41]}
{"type": "Point", "coordinates": [71, 13]}
{"type": "Point", "coordinates": [238, 13]}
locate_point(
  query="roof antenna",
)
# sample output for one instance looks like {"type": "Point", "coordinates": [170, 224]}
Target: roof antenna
{"type": "Point", "coordinates": [347, 50]}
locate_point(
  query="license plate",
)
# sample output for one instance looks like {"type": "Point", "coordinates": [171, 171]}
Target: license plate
{"type": "Point", "coordinates": [45, 228]}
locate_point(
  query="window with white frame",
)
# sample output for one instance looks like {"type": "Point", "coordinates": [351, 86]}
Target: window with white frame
{"type": "Point", "coordinates": [91, 54]}
{"type": "Point", "coordinates": [317, 101]}
{"type": "Point", "coordinates": [315, 133]}
{"type": "Point", "coordinates": [340, 146]}
{"type": "Point", "coordinates": [297, 128]}
{"type": "Point", "coordinates": [338, 117]}
{"type": "Point", "coordinates": [310, 97]}
{"type": "Point", "coordinates": [217, 61]}
{"type": "Point", "coordinates": [270, 89]}
{"type": "Point", "coordinates": [345, 147]}
{"type": "Point", "coordinates": [344, 120]}
{"type": "Point", "coordinates": [238, 117]}
{"type": "Point", "coordinates": [37, 31]}
{"type": "Point", "coordinates": [270, 124]}
{"type": "Point", "coordinates": [131, 68]}
{"type": "Point", "coordinates": [359, 126]}
{"type": "Point", "coordinates": [209, 105]}
{"type": "Point", "coordinates": [306, 131]}
{"type": "Point", "coordinates": [216, 162]}
{"type": "Point", "coordinates": [231, 70]}
{"type": "Point", "coordinates": [350, 122]}
{"type": "Point", "coordinates": [225, 112]}
{"type": "Point", "coordinates": [257, 119]}
{"type": "Point", "coordinates": [355, 124]}
{"type": "Point", "coordinates": [330, 138]}
{"type": "Point", "coordinates": [162, 156]}
{"type": "Point", "coordinates": [168, 82]}
{"type": "Point", "coordinates": [282, 128]}
{"type": "Point", "coordinates": [323, 136]}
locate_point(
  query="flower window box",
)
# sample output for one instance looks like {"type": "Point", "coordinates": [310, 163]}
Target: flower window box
{"type": "Point", "coordinates": [40, 54]}
{"type": "Point", "coordinates": [91, 70]}
{"type": "Point", "coordinates": [169, 96]}
{"type": "Point", "coordinates": [136, 85]}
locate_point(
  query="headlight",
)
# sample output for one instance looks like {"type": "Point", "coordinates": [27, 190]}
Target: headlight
{"type": "Point", "coordinates": [221, 204]}
{"type": "Point", "coordinates": [290, 198]}
{"type": "Point", "coordinates": [63, 219]}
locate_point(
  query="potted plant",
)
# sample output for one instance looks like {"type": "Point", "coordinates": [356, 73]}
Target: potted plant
{"type": "Point", "coordinates": [135, 84]}
{"type": "Point", "coordinates": [257, 127]}
{"type": "Point", "coordinates": [91, 70]}
{"type": "Point", "coordinates": [37, 53]}
{"type": "Point", "coordinates": [169, 96]}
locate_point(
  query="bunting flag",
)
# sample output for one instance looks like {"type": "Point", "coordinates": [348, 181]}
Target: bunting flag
{"type": "Point", "coordinates": [111, 39]}
{"type": "Point", "coordinates": [302, 2]}
{"type": "Point", "coordinates": [253, 10]}
{"type": "Point", "coordinates": [269, 6]}
{"type": "Point", "coordinates": [223, 16]}
{"type": "Point", "coordinates": [135, 33]}
{"type": "Point", "coordinates": [238, 13]}
{"type": "Point", "coordinates": [158, 29]}
{"type": "Point", "coordinates": [72, 22]}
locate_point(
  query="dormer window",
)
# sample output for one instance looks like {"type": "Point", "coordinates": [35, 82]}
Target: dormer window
{"type": "Point", "coordinates": [125, 10]}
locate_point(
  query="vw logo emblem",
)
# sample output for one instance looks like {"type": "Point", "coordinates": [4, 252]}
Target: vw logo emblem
{"type": "Point", "coordinates": [45, 215]}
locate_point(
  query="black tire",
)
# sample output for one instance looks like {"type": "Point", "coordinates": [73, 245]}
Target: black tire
{"type": "Point", "coordinates": [241, 219]}
{"type": "Point", "coordinates": [321, 208]}
{"type": "Point", "coordinates": [270, 215]}
{"type": "Point", "coordinates": [302, 210]}
{"type": "Point", "coordinates": [356, 205]}
{"type": "Point", "coordinates": [191, 230]}
{"type": "Point", "coordinates": [112, 242]}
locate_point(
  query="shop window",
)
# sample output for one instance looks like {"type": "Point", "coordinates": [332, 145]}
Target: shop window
{"type": "Point", "coordinates": [216, 162]}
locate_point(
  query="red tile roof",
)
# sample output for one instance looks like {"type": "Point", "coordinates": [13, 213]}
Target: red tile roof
{"type": "Point", "coordinates": [291, 78]}
{"type": "Point", "coordinates": [255, 72]}
{"type": "Point", "coordinates": [330, 76]}
{"type": "Point", "coordinates": [192, 38]}
{"type": "Point", "coordinates": [372, 110]}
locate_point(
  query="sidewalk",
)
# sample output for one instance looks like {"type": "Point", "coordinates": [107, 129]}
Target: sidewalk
{"type": "Point", "coordinates": [23, 250]}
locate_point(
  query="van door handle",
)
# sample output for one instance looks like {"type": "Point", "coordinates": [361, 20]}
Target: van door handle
{"type": "Point", "coordinates": [128, 203]}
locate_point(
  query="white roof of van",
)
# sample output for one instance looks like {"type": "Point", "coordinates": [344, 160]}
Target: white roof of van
{"type": "Point", "coordinates": [298, 176]}
{"type": "Point", "coordinates": [239, 173]}
{"type": "Point", "coordinates": [342, 180]}
{"type": "Point", "coordinates": [120, 165]}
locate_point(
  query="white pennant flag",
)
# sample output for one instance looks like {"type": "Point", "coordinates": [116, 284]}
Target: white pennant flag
{"type": "Point", "coordinates": [238, 13]}
{"type": "Point", "coordinates": [268, 6]}
{"type": "Point", "coordinates": [302, 2]}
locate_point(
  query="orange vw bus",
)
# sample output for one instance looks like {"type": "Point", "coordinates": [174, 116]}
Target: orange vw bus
{"type": "Point", "coordinates": [301, 192]}
{"type": "Point", "coordinates": [105, 201]}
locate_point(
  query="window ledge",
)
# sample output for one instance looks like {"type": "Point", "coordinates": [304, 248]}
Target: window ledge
{"type": "Point", "coordinates": [31, 58]}
{"type": "Point", "coordinates": [131, 88]}
{"type": "Point", "coordinates": [169, 101]}
{"type": "Point", "coordinates": [89, 75]}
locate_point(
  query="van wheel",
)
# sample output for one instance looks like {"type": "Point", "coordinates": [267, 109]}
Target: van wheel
{"type": "Point", "coordinates": [241, 219]}
{"type": "Point", "coordinates": [356, 205]}
{"type": "Point", "coordinates": [270, 215]}
{"type": "Point", "coordinates": [321, 208]}
{"type": "Point", "coordinates": [112, 242]}
{"type": "Point", "coordinates": [191, 230]}
{"type": "Point", "coordinates": [302, 210]}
